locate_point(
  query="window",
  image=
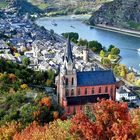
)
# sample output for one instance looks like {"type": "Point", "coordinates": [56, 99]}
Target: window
{"type": "Point", "coordinates": [99, 89]}
{"type": "Point", "coordinates": [78, 91]}
{"type": "Point", "coordinates": [67, 92]}
{"type": "Point", "coordinates": [74, 110]}
{"type": "Point", "coordinates": [106, 89]}
{"type": "Point", "coordinates": [111, 92]}
{"type": "Point", "coordinates": [66, 81]}
{"type": "Point", "coordinates": [72, 81]}
{"type": "Point", "coordinates": [68, 109]}
{"type": "Point", "coordinates": [92, 91]}
{"type": "Point", "coordinates": [81, 107]}
{"type": "Point", "coordinates": [85, 90]}
{"type": "Point", "coordinates": [72, 92]}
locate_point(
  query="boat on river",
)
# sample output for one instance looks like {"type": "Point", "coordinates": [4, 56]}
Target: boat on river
{"type": "Point", "coordinates": [53, 23]}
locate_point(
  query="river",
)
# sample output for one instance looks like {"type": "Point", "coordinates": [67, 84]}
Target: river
{"type": "Point", "coordinates": [127, 44]}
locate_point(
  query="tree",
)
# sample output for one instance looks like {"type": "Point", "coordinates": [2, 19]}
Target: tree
{"type": "Point", "coordinates": [25, 61]}
{"type": "Point", "coordinates": [72, 35]}
{"type": "Point", "coordinates": [56, 130]}
{"type": "Point", "coordinates": [106, 62]}
{"type": "Point", "coordinates": [112, 121]}
{"type": "Point", "coordinates": [115, 51]}
{"type": "Point", "coordinates": [82, 42]}
{"type": "Point", "coordinates": [131, 77]}
{"type": "Point", "coordinates": [95, 46]}
{"type": "Point", "coordinates": [110, 48]}
{"type": "Point", "coordinates": [120, 70]}
{"type": "Point", "coordinates": [24, 86]}
{"type": "Point", "coordinates": [102, 53]}
{"type": "Point", "coordinates": [8, 130]}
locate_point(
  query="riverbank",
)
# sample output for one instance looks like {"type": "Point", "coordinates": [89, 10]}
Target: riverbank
{"type": "Point", "coordinates": [118, 30]}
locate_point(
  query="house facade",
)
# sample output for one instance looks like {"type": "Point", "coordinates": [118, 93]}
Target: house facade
{"type": "Point", "coordinates": [75, 88]}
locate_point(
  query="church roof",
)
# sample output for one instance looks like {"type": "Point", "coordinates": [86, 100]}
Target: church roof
{"type": "Point", "coordinates": [82, 100]}
{"type": "Point", "coordinates": [95, 78]}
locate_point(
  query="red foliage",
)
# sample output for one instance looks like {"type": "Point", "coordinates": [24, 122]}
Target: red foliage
{"type": "Point", "coordinates": [113, 122]}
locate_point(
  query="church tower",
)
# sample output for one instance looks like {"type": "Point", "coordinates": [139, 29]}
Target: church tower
{"type": "Point", "coordinates": [67, 84]}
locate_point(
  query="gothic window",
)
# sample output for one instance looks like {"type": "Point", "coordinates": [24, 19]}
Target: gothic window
{"type": "Point", "coordinates": [92, 91]}
{"type": "Point", "coordinates": [99, 89]}
{"type": "Point", "coordinates": [106, 89]}
{"type": "Point", "coordinates": [85, 90]}
{"type": "Point", "coordinates": [72, 92]}
{"type": "Point", "coordinates": [66, 81]}
{"type": "Point", "coordinates": [67, 92]}
{"type": "Point", "coordinates": [72, 81]}
{"type": "Point", "coordinates": [78, 91]}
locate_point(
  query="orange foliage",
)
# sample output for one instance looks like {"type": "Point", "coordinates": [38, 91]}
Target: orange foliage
{"type": "Point", "coordinates": [112, 121]}
{"type": "Point", "coordinates": [135, 113]}
{"type": "Point", "coordinates": [8, 130]}
{"type": "Point", "coordinates": [46, 101]}
{"type": "Point", "coordinates": [82, 126]}
{"type": "Point", "coordinates": [55, 115]}
{"type": "Point", "coordinates": [52, 131]}
{"type": "Point", "coordinates": [12, 77]}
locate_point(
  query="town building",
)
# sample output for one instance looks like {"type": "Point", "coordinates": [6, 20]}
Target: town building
{"type": "Point", "coordinates": [76, 88]}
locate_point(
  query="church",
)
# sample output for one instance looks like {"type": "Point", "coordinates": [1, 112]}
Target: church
{"type": "Point", "coordinates": [76, 88]}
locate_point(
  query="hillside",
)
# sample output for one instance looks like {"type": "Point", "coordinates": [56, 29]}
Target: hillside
{"type": "Point", "coordinates": [55, 6]}
{"type": "Point", "coordinates": [119, 13]}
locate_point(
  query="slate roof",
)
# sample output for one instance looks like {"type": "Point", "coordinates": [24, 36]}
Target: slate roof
{"type": "Point", "coordinates": [68, 51]}
{"type": "Point", "coordinates": [82, 100]}
{"type": "Point", "coordinates": [94, 78]}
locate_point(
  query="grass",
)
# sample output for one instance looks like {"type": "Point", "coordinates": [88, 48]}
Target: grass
{"type": "Point", "coordinates": [3, 4]}
{"type": "Point", "coordinates": [40, 5]}
{"type": "Point", "coordinates": [134, 25]}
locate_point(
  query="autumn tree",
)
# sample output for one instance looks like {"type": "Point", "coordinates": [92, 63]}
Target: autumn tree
{"type": "Point", "coordinates": [57, 130]}
{"type": "Point", "coordinates": [112, 122]}
{"type": "Point", "coordinates": [8, 130]}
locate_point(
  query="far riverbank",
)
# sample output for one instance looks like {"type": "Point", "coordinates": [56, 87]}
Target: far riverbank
{"type": "Point", "coordinates": [118, 30]}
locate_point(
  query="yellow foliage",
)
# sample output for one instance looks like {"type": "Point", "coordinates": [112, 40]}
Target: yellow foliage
{"type": "Point", "coordinates": [24, 86]}
{"type": "Point", "coordinates": [1, 75]}
{"type": "Point", "coordinates": [8, 130]}
{"type": "Point", "coordinates": [17, 54]}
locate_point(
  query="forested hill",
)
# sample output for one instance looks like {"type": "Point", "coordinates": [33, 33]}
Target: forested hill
{"type": "Point", "coordinates": [119, 13]}
{"type": "Point", "coordinates": [55, 6]}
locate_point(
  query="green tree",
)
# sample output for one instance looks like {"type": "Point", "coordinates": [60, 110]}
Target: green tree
{"type": "Point", "coordinates": [25, 61]}
{"type": "Point", "coordinates": [95, 46]}
{"type": "Point", "coordinates": [72, 35]}
{"type": "Point", "coordinates": [106, 62]}
{"type": "Point", "coordinates": [115, 51]}
{"type": "Point", "coordinates": [110, 48]}
{"type": "Point", "coordinates": [102, 53]}
{"type": "Point", "coordinates": [82, 42]}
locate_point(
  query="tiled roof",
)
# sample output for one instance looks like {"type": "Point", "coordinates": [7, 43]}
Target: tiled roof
{"type": "Point", "coordinates": [82, 100]}
{"type": "Point", "coordinates": [94, 78]}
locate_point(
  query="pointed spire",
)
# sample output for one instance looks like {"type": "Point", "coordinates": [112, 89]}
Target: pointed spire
{"type": "Point", "coordinates": [68, 54]}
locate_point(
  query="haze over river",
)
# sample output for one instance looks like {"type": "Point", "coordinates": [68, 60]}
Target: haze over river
{"type": "Point", "coordinates": [127, 44]}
